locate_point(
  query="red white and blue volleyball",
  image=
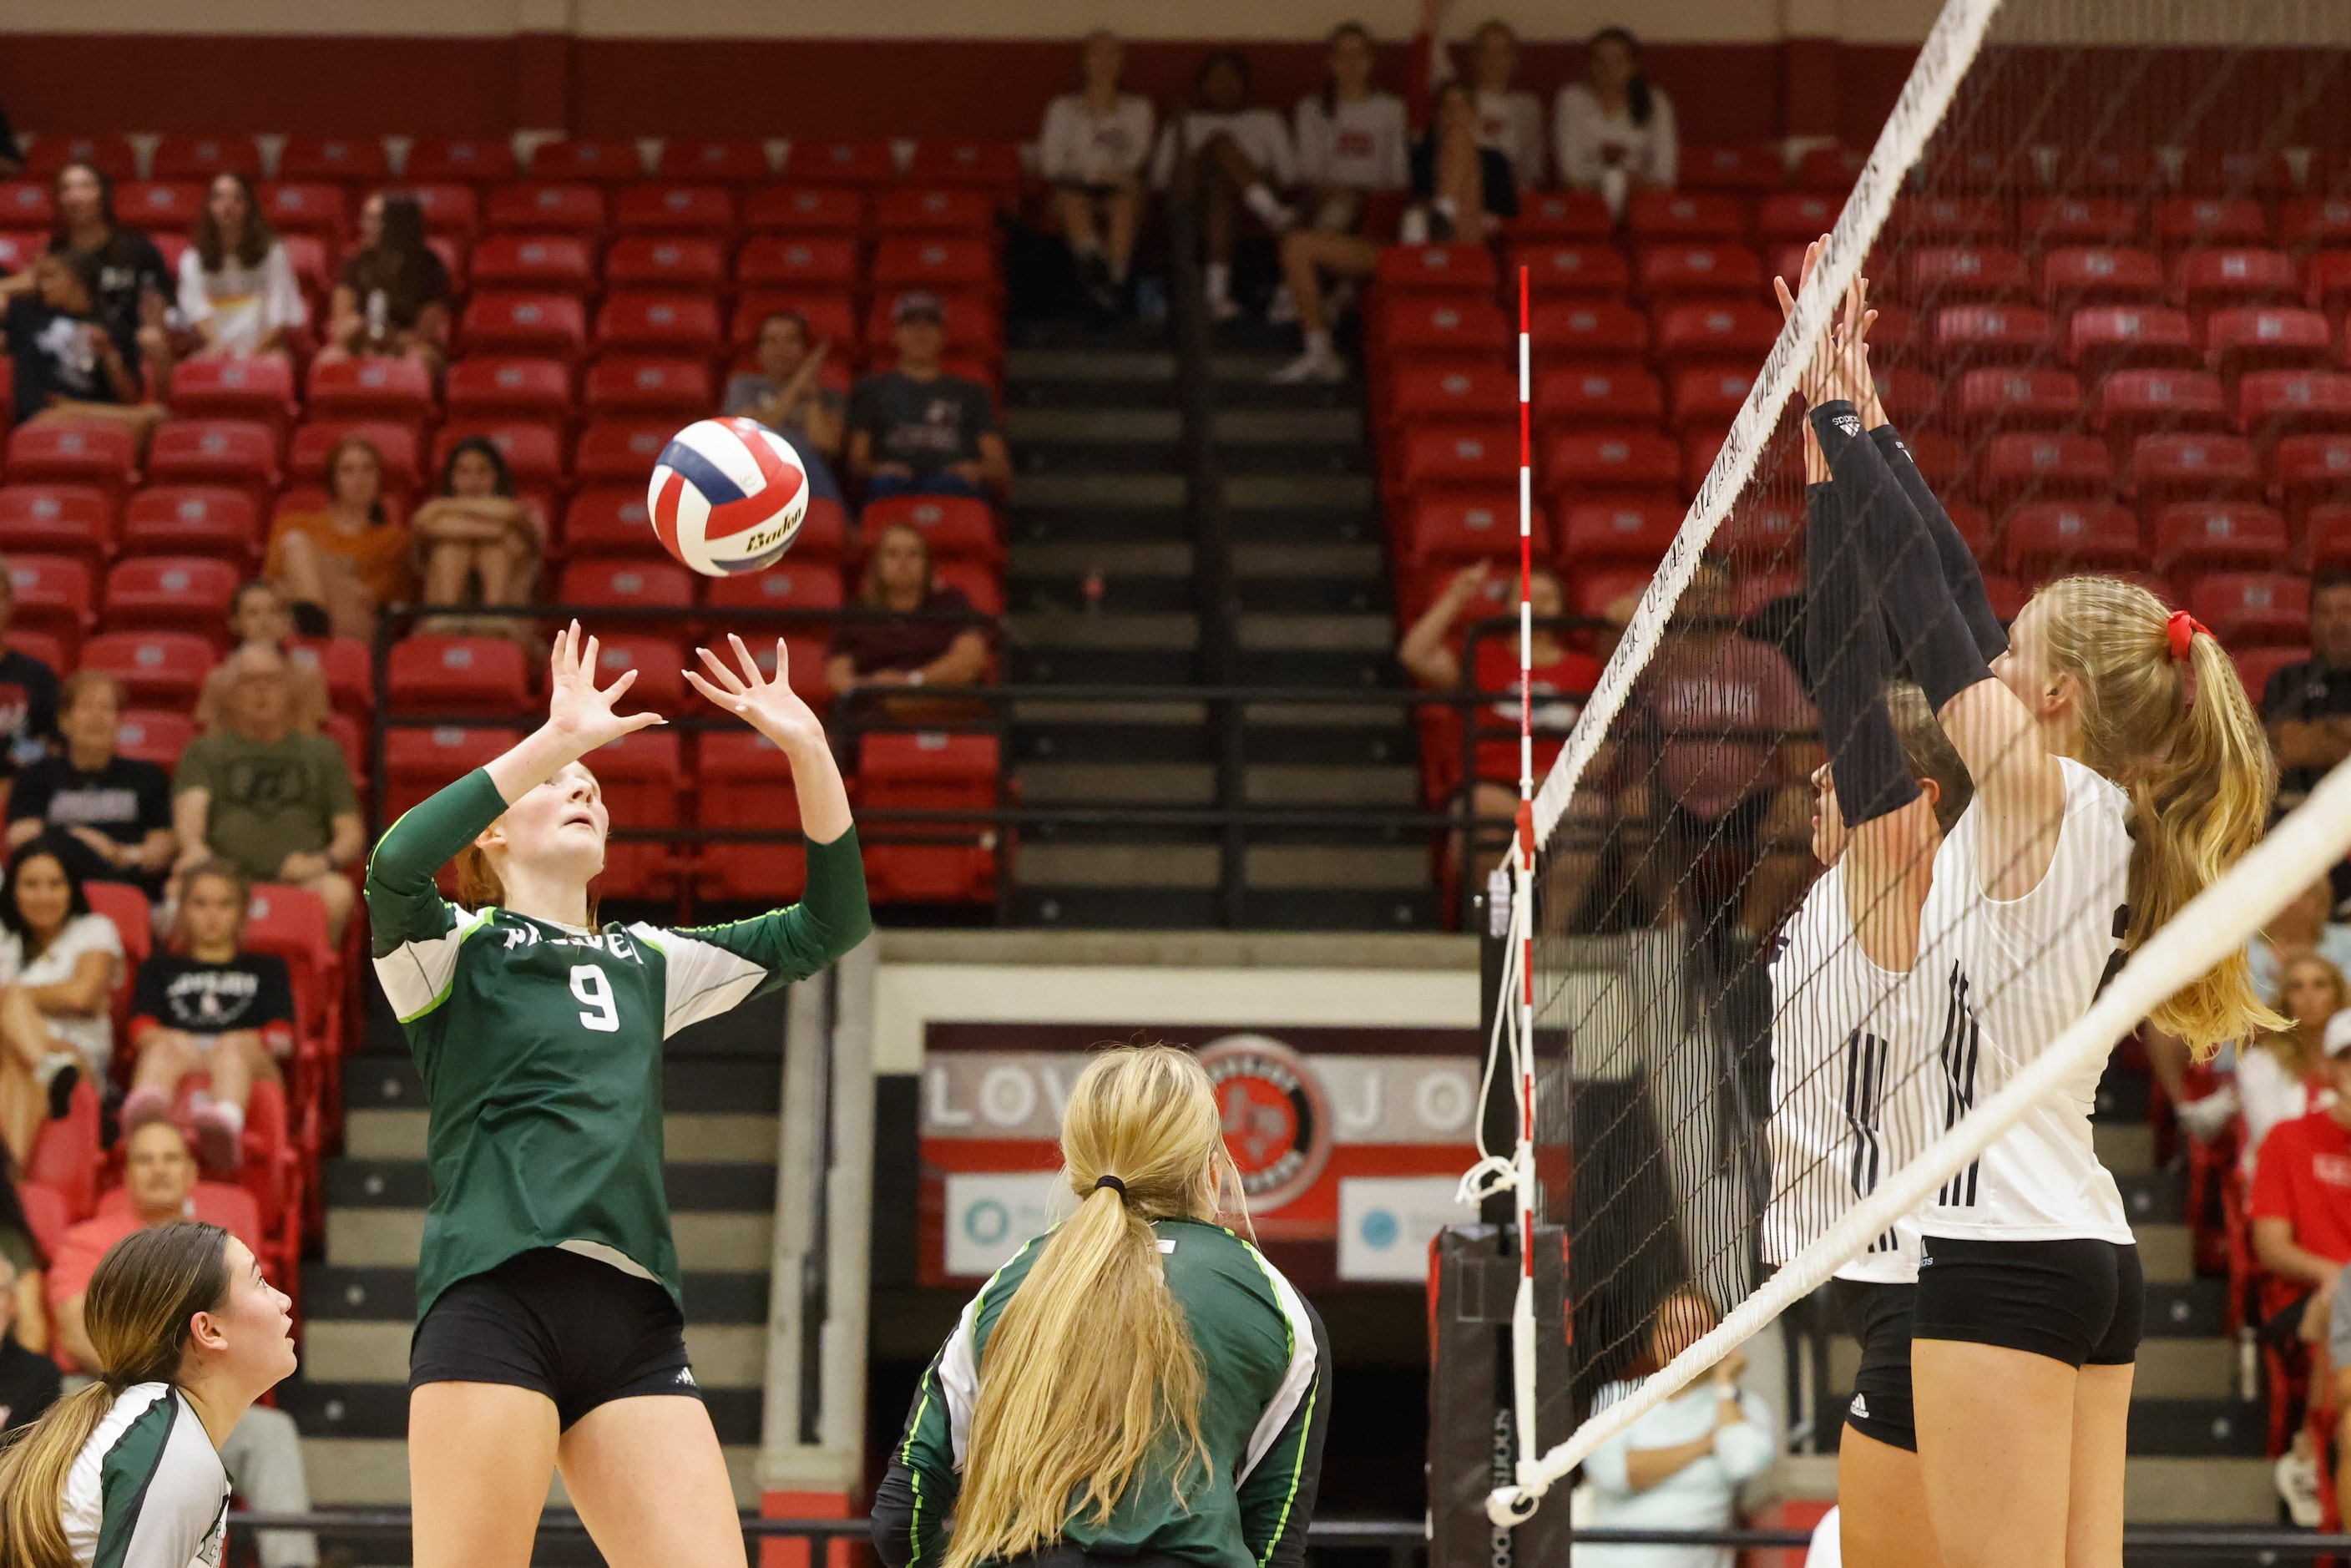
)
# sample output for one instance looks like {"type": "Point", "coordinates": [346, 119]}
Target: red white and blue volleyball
{"type": "Point", "coordinates": [727, 496]}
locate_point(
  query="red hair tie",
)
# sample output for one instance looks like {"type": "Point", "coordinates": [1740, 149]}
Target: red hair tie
{"type": "Point", "coordinates": [2182, 629]}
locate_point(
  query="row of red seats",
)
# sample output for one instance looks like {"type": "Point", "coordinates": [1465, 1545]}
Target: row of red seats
{"type": "Point", "coordinates": [482, 159]}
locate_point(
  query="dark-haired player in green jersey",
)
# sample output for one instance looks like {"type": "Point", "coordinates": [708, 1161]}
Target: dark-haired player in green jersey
{"type": "Point", "coordinates": [548, 1332]}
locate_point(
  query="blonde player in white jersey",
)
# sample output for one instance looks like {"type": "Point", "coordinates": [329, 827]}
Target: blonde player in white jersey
{"type": "Point", "coordinates": [2119, 768]}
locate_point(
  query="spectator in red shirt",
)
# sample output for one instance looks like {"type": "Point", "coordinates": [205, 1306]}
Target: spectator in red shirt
{"type": "Point", "coordinates": [264, 1451]}
{"type": "Point", "coordinates": [906, 652]}
{"type": "Point", "coordinates": [2301, 1206]}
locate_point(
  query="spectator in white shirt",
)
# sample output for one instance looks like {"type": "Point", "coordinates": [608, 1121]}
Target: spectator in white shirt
{"type": "Point", "coordinates": [1510, 118]}
{"type": "Point", "coordinates": [236, 286]}
{"type": "Point", "coordinates": [1614, 130]}
{"type": "Point", "coordinates": [1352, 138]}
{"type": "Point", "coordinates": [1223, 157]}
{"type": "Point", "coordinates": [1092, 149]}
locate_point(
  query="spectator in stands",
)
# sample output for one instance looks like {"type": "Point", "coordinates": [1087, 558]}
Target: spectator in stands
{"type": "Point", "coordinates": [261, 616]}
{"type": "Point", "coordinates": [2301, 929]}
{"type": "Point", "coordinates": [129, 283]}
{"type": "Point", "coordinates": [1681, 1466]}
{"type": "Point", "coordinates": [915, 430]}
{"type": "Point", "coordinates": [2308, 706]}
{"type": "Point", "coordinates": [2283, 1075]}
{"type": "Point", "coordinates": [20, 1249]}
{"type": "Point", "coordinates": [70, 360]}
{"type": "Point", "coordinates": [392, 298]}
{"type": "Point", "coordinates": [206, 1005]}
{"type": "Point", "coordinates": [1510, 118]}
{"type": "Point", "coordinates": [277, 804]}
{"type": "Point", "coordinates": [29, 1381]}
{"type": "Point", "coordinates": [1092, 151]}
{"type": "Point", "coordinates": [1613, 131]}
{"type": "Point", "coordinates": [59, 961]}
{"type": "Point", "coordinates": [28, 694]}
{"type": "Point", "coordinates": [906, 652]}
{"type": "Point", "coordinates": [349, 559]}
{"type": "Point", "coordinates": [1225, 157]}
{"type": "Point", "coordinates": [1352, 138]}
{"type": "Point", "coordinates": [476, 537]}
{"type": "Point", "coordinates": [785, 395]}
{"type": "Point", "coordinates": [2301, 1211]}
{"type": "Point", "coordinates": [262, 1454]}
{"type": "Point", "coordinates": [1459, 190]}
{"type": "Point", "coordinates": [237, 291]}
{"type": "Point", "coordinates": [110, 814]}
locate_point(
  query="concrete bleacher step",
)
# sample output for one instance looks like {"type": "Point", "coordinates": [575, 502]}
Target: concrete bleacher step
{"type": "Point", "coordinates": [1093, 439]}
{"type": "Point", "coordinates": [1312, 579]}
{"type": "Point", "coordinates": [1103, 578]}
{"type": "Point", "coordinates": [1081, 731]}
{"type": "Point", "coordinates": [1331, 733]}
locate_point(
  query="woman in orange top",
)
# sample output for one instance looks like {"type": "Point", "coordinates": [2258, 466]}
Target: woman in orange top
{"type": "Point", "coordinates": [348, 560]}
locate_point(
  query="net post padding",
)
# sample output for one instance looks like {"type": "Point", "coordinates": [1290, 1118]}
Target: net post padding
{"type": "Point", "coordinates": [2213, 926]}
{"type": "Point", "coordinates": [1942, 60]}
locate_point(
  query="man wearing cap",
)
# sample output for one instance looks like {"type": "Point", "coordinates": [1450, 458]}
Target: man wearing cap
{"type": "Point", "coordinates": [916, 431]}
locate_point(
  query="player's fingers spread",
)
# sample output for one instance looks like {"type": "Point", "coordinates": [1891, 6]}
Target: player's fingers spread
{"type": "Point", "coordinates": [628, 678]}
{"type": "Point", "coordinates": [750, 664]}
{"type": "Point", "coordinates": [727, 700]}
{"type": "Point", "coordinates": [783, 663]}
{"type": "Point", "coordinates": [726, 677]}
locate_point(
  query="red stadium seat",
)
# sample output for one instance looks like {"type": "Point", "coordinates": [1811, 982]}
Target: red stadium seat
{"type": "Point", "coordinates": [1700, 272]}
{"type": "Point", "coordinates": [2254, 607]}
{"type": "Point", "coordinates": [259, 387]}
{"type": "Point", "coordinates": [1619, 393]}
{"type": "Point", "coordinates": [934, 211]}
{"type": "Point", "coordinates": [533, 453]}
{"type": "Point", "coordinates": [155, 735]}
{"type": "Point", "coordinates": [620, 452]}
{"type": "Point", "coordinates": [2017, 397]}
{"type": "Point", "coordinates": [580, 158]}
{"type": "Point", "coordinates": [170, 593]}
{"type": "Point", "coordinates": [660, 662]}
{"type": "Point", "coordinates": [1596, 329]}
{"type": "Point", "coordinates": [2256, 667]}
{"type": "Point", "coordinates": [678, 388]}
{"type": "Point", "coordinates": [641, 776]}
{"type": "Point", "coordinates": [2326, 282]}
{"type": "Point", "coordinates": [2167, 468]}
{"type": "Point", "coordinates": [2311, 224]}
{"type": "Point", "coordinates": [1615, 464]}
{"type": "Point", "coordinates": [1569, 266]}
{"type": "Point", "coordinates": [2206, 279]}
{"type": "Point", "coordinates": [100, 456]}
{"type": "Point", "coordinates": [1439, 391]}
{"type": "Point", "coordinates": [342, 160]}
{"type": "Point", "coordinates": [25, 205]}
{"type": "Point", "coordinates": [2183, 221]}
{"type": "Point", "coordinates": [1655, 215]}
{"type": "Point", "coordinates": [817, 163]}
{"type": "Point", "coordinates": [2051, 538]}
{"type": "Point", "coordinates": [65, 1154]}
{"type": "Point", "coordinates": [291, 922]}
{"type": "Point", "coordinates": [743, 781]}
{"type": "Point", "coordinates": [811, 587]}
{"type": "Point", "coordinates": [1452, 269]}
{"type": "Point", "coordinates": [195, 519]}
{"type": "Point", "coordinates": [723, 162]}
{"type": "Point", "coordinates": [1732, 169]}
{"type": "Point", "coordinates": [1626, 533]}
{"type": "Point", "coordinates": [704, 210]}
{"type": "Point", "coordinates": [449, 210]}
{"type": "Point", "coordinates": [2099, 275]}
{"type": "Point", "coordinates": [235, 453]}
{"type": "Point", "coordinates": [399, 391]}
{"type": "Point", "coordinates": [1794, 217]}
{"type": "Point", "coordinates": [156, 669]}
{"type": "Point", "coordinates": [812, 261]}
{"type": "Point", "coordinates": [418, 762]}
{"type": "Point", "coordinates": [1446, 528]}
{"type": "Point", "coordinates": [608, 584]}
{"type": "Point", "coordinates": [644, 322]}
{"type": "Point", "coordinates": [610, 521]}
{"type": "Point", "coordinates": [558, 264]}
{"type": "Point", "coordinates": [2272, 403]}
{"type": "Point", "coordinates": [1736, 334]}
{"type": "Point", "coordinates": [991, 165]}
{"type": "Point", "coordinates": [1423, 326]}
{"type": "Point", "coordinates": [795, 210]}
{"type": "Point", "coordinates": [2132, 403]}
{"type": "Point", "coordinates": [2192, 537]}
{"type": "Point", "coordinates": [1831, 168]}
{"type": "Point", "coordinates": [112, 155]}
{"type": "Point", "coordinates": [930, 772]}
{"type": "Point", "coordinates": [957, 528]}
{"type": "Point", "coordinates": [1763, 528]}
{"type": "Point", "coordinates": [464, 159]}
{"type": "Point", "coordinates": [1954, 272]}
{"type": "Point", "coordinates": [2326, 539]}
{"type": "Point", "coordinates": [934, 263]}
{"type": "Point", "coordinates": [1547, 216]}
{"type": "Point", "coordinates": [1950, 220]}
{"type": "Point", "coordinates": [493, 386]}
{"type": "Point", "coordinates": [2103, 338]}
{"type": "Point", "coordinates": [1592, 591]}
{"type": "Point", "coordinates": [1977, 333]}
{"type": "Point", "coordinates": [2266, 338]}
{"type": "Point", "coordinates": [305, 455]}
{"type": "Point", "coordinates": [457, 675]}
{"type": "Point", "coordinates": [1707, 397]}
{"type": "Point", "coordinates": [570, 209]}
{"type": "Point", "coordinates": [2038, 465]}
{"type": "Point", "coordinates": [161, 205]}
{"type": "Point", "coordinates": [665, 261]}
{"type": "Point", "coordinates": [2104, 171]}
{"type": "Point", "coordinates": [2308, 471]}
{"type": "Point", "coordinates": [56, 519]}
{"type": "Point", "coordinates": [1453, 456]}
{"type": "Point", "coordinates": [307, 208]}
{"type": "Point", "coordinates": [2263, 174]}
{"type": "Point", "coordinates": [347, 667]}
{"type": "Point", "coordinates": [549, 325]}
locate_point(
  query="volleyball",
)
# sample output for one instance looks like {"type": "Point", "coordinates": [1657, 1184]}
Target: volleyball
{"type": "Point", "coordinates": [727, 496]}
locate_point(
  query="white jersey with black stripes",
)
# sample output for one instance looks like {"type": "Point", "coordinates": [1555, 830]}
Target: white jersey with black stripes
{"type": "Point", "coordinates": [2014, 974]}
{"type": "Point", "coordinates": [1854, 1089]}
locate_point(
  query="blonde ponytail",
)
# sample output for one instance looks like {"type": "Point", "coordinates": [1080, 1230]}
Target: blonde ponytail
{"type": "Point", "coordinates": [2196, 762]}
{"type": "Point", "coordinates": [33, 1471]}
{"type": "Point", "coordinates": [1091, 1365]}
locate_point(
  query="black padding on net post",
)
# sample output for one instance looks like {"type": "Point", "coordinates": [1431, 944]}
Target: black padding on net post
{"type": "Point", "coordinates": [1472, 1431]}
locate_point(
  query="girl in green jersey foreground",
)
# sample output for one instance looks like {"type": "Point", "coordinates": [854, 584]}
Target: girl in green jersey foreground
{"type": "Point", "coordinates": [548, 1331]}
{"type": "Point", "coordinates": [1138, 1386]}
{"type": "Point", "coordinates": [127, 1473]}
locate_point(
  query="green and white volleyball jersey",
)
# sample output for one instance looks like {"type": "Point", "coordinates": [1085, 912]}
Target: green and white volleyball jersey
{"type": "Point", "coordinates": [148, 1490]}
{"type": "Point", "coordinates": [1264, 1407]}
{"type": "Point", "coordinates": [540, 1043]}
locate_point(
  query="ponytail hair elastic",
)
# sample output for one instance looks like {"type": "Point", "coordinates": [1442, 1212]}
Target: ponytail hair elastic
{"type": "Point", "coordinates": [1112, 1183]}
{"type": "Point", "coordinates": [2182, 629]}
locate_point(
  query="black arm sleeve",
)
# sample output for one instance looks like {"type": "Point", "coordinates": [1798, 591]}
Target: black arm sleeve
{"type": "Point", "coordinates": [1845, 652]}
{"type": "Point", "coordinates": [1958, 563]}
{"type": "Point", "coordinates": [1921, 618]}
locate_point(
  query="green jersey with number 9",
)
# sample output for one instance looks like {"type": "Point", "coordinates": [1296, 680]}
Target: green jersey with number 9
{"type": "Point", "coordinates": [540, 1043]}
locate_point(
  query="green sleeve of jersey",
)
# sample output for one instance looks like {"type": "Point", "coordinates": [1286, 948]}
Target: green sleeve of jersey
{"type": "Point", "coordinates": [1277, 1495]}
{"type": "Point", "coordinates": [712, 968]}
{"type": "Point", "coordinates": [403, 903]}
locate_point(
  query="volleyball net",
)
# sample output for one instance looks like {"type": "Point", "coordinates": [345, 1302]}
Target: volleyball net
{"type": "Point", "coordinates": [2095, 233]}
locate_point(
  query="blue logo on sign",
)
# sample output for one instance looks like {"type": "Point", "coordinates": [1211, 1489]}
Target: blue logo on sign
{"type": "Point", "coordinates": [987, 1222]}
{"type": "Point", "coordinates": [1380, 1228]}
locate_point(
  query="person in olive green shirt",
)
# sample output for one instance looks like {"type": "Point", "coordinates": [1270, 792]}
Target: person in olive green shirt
{"type": "Point", "coordinates": [273, 802]}
{"type": "Point", "coordinates": [550, 1333]}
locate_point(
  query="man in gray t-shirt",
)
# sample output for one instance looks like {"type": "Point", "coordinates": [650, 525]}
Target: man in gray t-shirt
{"type": "Point", "coordinates": [917, 430]}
